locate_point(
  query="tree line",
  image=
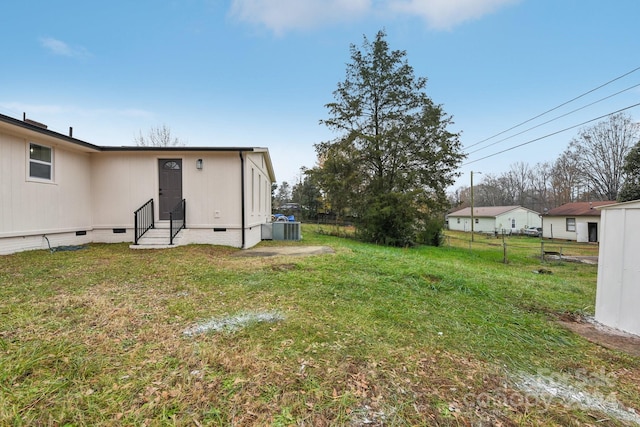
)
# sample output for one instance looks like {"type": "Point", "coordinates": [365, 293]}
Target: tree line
{"type": "Point", "coordinates": [601, 162]}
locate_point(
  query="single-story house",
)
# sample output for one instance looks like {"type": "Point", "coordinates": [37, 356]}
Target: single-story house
{"type": "Point", "coordinates": [618, 292]}
{"type": "Point", "coordinates": [578, 221]}
{"type": "Point", "coordinates": [57, 190]}
{"type": "Point", "coordinates": [491, 219]}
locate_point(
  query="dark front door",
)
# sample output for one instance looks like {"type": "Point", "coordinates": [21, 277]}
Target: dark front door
{"type": "Point", "coordinates": [170, 180]}
{"type": "Point", "coordinates": [593, 231]}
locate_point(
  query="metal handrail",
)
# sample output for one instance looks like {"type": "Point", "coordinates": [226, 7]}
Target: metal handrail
{"type": "Point", "coordinates": [143, 219]}
{"type": "Point", "coordinates": [178, 215]}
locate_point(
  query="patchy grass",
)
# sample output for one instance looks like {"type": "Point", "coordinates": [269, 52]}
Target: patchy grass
{"type": "Point", "coordinates": [366, 336]}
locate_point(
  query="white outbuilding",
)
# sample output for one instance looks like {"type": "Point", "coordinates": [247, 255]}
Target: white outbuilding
{"type": "Point", "coordinates": [577, 221]}
{"type": "Point", "coordinates": [491, 219]}
{"type": "Point", "coordinates": [618, 293]}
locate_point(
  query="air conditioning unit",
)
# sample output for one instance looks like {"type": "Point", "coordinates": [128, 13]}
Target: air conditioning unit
{"type": "Point", "coordinates": [267, 231]}
{"type": "Point", "coordinates": [286, 231]}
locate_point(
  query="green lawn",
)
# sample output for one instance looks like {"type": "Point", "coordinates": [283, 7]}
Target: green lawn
{"type": "Point", "coordinates": [368, 335]}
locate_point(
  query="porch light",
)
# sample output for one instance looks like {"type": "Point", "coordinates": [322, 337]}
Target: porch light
{"type": "Point", "coordinates": [199, 164]}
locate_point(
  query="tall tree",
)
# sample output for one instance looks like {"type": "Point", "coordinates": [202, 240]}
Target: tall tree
{"type": "Point", "coordinates": [159, 136]}
{"type": "Point", "coordinates": [631, 187]}
{"type": "Point", "coordinates": [308, 195]}
{"type": "Point", "coordinates": [492, 191]}
{"type": "Point", "coordinates": [393, 146]}
{"type": "Point", "coordinates": [518, 180]}
{"type": "Point", "coordinates": [601, 151]}
{"type": "Point", "coordinates": [541, 187]}
{"type": "Point", "coordinates": [565, 178]}
{"type": "Point", "coordinates": [282, 195]}
{"type": "Point", "coordinates": [337, 170]}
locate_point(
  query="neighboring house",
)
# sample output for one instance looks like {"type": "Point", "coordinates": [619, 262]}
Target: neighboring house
{"type": "Point", "coordinates": [57, 190]}
{"type": "Point", "coordinates": [574, 221]}
{"type": "Point", "coordinates": [501, 219]}
{"type": "Point", "coordinates": [618, 291]}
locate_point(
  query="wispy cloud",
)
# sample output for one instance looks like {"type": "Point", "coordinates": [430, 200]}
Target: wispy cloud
{"type": "Point", "coordinates": [60, 48]}
{"type": "Point", "coordinates": [286, 15]}
{"type": "Point", "coordinates": [132, 113]}
{"type": "Point", "coordinates": [446, 14]}
{"type": "Point", "coordinates": [16, 109]}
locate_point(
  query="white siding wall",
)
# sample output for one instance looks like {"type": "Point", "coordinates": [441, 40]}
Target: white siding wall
{"type": "Point", "coordinates": [212, 194]}
{"type": "Point", "coordinates": [618, 291]}
{"type": "Point", "coordinates": [459, 223]}
{"type": "Point", "coordinates": [258, 195]}
{"type": "Point", "coordinates": [99, 191]}
{"type": "Point", "coordinates": [556, 227]}
{"type": "Point", "coordinates": [523, 217]}
{"type": "Point", "coordinates": [207, 236]}
{"type": "Point", "coordinates": [122, 182]}
{"type": "Point", "coordinates": [9, 245]}
{"type": "Point", "coordinates": [31, 208]}
{"type": "Point", "coordinates": [485, 225]}
{"type": "Point", "coordinates": [253, 236]}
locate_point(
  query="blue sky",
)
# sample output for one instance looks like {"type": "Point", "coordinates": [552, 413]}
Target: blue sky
{"type": "Point", "coordinates": [259, 72]}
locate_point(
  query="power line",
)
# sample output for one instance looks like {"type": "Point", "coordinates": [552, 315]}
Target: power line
{"type": "Point", "coordinates": [554, 119]}
{"type": "Point", "coordinates": [555, 108]}
{"type": "Point", "coordinates": [550, 134]}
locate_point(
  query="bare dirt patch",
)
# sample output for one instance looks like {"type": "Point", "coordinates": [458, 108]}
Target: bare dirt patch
{"type": "Point", "coordinates": [602, 335]}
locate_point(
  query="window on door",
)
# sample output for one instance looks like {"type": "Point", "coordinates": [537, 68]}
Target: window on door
{"type": "Point", "coordinates": [172, 165]}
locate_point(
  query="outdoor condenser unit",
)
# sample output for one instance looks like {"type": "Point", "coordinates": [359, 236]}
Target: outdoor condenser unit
{"type": "Point", "coordinates": [286, 230]}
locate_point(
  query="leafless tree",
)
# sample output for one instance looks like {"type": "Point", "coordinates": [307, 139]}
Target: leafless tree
{"type": "Point", "coordinates": [158, 137]}
{"type": "Point", "coordinates": [591, 168]}
{"type": "Point", "coordinates": [566, 178]}
{"type": "Point", "coordinates": [493, 191]}
{"type": "Point", "coordinates": [460, 197]}
{"type": "Point", "coordinates": [518, 180]}
{"type": "Point", "coordinates": [541, 186]}
{"type": "Point", "coordinates": [601, 151]}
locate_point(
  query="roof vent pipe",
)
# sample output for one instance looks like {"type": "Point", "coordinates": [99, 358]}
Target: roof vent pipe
{"type": "Point", "coordinates": [70, 132]}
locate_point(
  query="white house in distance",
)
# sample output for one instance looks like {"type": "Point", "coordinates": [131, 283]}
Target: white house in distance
{"type": "Point", "coordinates": [57, 190]}
{"type": "Point", "coordinates": [494, 218]}
{"type": "Point", "coordinates": [618, 292]}
{"type": "Point", "coordinates": [574, 221]}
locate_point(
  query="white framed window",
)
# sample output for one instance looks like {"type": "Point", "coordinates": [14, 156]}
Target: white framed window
{"type": "Point", "coordinates": [253, 191]}
{"type": "Point", "coordinates": [571, 224]}
{"type": "Point", "coordinates": [40, 162]}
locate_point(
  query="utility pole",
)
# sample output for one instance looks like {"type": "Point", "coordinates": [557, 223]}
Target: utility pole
{"type": "Point", "coordinates": [472, 220]}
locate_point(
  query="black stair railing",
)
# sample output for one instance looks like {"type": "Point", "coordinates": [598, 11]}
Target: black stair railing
{"type": "Point", "coordinates": [143, 219]}
{"type": "Point", "coordinates": [177, 219]}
